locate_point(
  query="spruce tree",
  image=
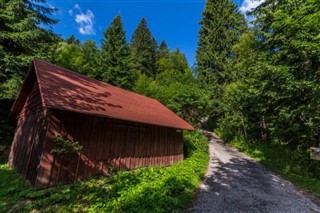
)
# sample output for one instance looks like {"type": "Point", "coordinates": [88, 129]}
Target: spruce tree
{"type": "Point", "coordinates": [221, 26]}
{"type": "Point", "coordinates": [115, 56]}
{"type": "Point", "coordinates": [143, 50]}
{"type": "Point", "coordinates": [73, 40]}
{"type": "Point", "coordinates": [288, 33]}
{"type": "Point", "coordinates": [163, 50]}
{"type": "Point", "coordinates": [25, 34]}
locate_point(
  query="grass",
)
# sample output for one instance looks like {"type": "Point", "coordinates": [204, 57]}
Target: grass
{"type": "Point", "coordinates": [293, 164]}
{"type": "Point", "coordinates": [154, 189]}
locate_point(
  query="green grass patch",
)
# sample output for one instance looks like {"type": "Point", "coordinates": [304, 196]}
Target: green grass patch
{"type": "Point", "coordinates": [154, 189]}
{"type": "Point", "coordinates": [293, 164]}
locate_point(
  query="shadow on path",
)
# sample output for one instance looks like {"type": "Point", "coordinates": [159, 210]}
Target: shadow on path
{"type": "Point", "coordinates": [237, 183]}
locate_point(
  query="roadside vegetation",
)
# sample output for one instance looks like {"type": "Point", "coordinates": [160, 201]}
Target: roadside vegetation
{"type": "Point", "coordinates": [155, 189]}
{"type": "Point", "coordinates": [266, 83]}
{"type": "Point", "coordinates": [292, 163]}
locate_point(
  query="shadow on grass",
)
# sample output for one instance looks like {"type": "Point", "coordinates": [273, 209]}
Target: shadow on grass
{"type": "Point", "coordinates": [12, 188]}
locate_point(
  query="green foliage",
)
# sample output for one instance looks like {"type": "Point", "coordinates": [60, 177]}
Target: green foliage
{"type": "Point", "coordinates": [115, 54]}
{"type": "Point", "coordinates": [176, 87]}
{"type": "Point", "coordinates": [92, 59]}
{"type": "Point", "coordinates": [276, 95]}
{"type": "Point", "coordinates": [12, 188]}
{"type": "Point", "coordinates": [70, 56]}
{"type": "Point", "coordinates": [143, 50]}
{"type": "Point", "coordinates": [246, 54]}
{"type": "Point", "coordinates": [163, 50]}
{"type": "Point", "coordinates": [221, 26]}
{"type": "Point", "coordinates": [289, 34]}
{"type": "Point", "coordinates": [293, 164]}
{"type": "Point", "coordinates": [23, 35]}
{"type": "Point", "coordinates": [154, 189]}
{"type": "Point", "coordinates": [178, 91]}
{"type": "Point", "coordinates": [65, 146]}
{"type": "Point", "coordinates": [82, 58]}
{"type": "Point", "coordinates": [73, 40]}
{"type": "Point", "coordinates": [174, 61]}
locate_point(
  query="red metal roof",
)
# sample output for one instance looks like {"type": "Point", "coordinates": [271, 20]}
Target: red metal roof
{"type": "Point", "coordinates": [63, 89]}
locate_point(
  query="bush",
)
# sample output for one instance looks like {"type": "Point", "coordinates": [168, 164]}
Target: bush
{"type": "Point", "coordinates": [153, 189]}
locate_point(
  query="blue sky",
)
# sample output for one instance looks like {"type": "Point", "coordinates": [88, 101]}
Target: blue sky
{"type": "Point", "coordinates": [175, 21]}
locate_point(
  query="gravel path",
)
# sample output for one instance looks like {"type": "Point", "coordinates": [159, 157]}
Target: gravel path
{"type": "Point", "coordinates": [236, 183]}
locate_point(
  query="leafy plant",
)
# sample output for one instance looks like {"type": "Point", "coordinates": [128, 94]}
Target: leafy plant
{"type": "Point", "coordinates": [65, 146]}
{"type": "Point", "coordinates": [153, 189]}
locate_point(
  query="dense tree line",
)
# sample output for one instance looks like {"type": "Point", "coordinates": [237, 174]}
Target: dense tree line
{"type": "Point", "coordinates": [264, 79]}
{"type": "Point", "coordinates": [257, 82]}
{"type": "Point", "coordinates": [21, 39]}
{"type": "Point", "coordinates": [140, 65]}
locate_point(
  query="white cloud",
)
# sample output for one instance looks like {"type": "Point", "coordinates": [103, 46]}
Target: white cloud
{"type": "Point", "coordinates": [86, 22]}
{"type": "Point", "coordinates": [76, 6]}
{"type": "Point", "coordinates": [249, 5]}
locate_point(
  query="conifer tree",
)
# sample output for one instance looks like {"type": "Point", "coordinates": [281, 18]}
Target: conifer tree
{"type": "Point", "coordinates": [73, 40]}
{"type": "Point", "coordinates": [163, 50]}
{"type": "Point", "coordinates": [115, 56]}
{"type": "Point", "coordinates": [25, 34]}
{"type": "Point", "coordinates": [288, 33]}
{"type": "Point", "coordinates": [143, 50]}
{"type": "Point", "coordinates": [221, 26]}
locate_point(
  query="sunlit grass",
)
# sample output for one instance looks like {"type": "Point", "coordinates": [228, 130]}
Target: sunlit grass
{"type": "Point", "coordinates": [293, 164]}
{"type": "Point", "coordinates": [154, 189]}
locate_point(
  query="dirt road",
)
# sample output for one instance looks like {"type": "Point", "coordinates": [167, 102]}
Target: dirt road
{"type": "Point", "coordinates": [236, 183]}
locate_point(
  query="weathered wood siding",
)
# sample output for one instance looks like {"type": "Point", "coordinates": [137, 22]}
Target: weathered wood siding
{"type": "Point", "coordinates": [107, 143]}
{"type": "Point", "coordinates": [27, 145]}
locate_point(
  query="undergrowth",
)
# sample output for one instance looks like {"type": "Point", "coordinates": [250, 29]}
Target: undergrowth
{"type": "Point", "coordinates": [154, 189]}
{"type": "Point", "coordinates": [293, 164]}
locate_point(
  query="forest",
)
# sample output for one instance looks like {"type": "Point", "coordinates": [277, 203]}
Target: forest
{"type": "Point", "coordinates": [257, 82]}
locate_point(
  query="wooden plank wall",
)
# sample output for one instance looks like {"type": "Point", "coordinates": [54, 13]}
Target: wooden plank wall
{"type": "Point", "coordinates": [29, 136]}
{"type": "Point", "coordinates": [107, 143]}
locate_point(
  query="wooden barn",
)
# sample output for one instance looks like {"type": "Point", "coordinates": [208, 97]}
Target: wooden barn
{"type": "Point", "coordinates": [116, 128]}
